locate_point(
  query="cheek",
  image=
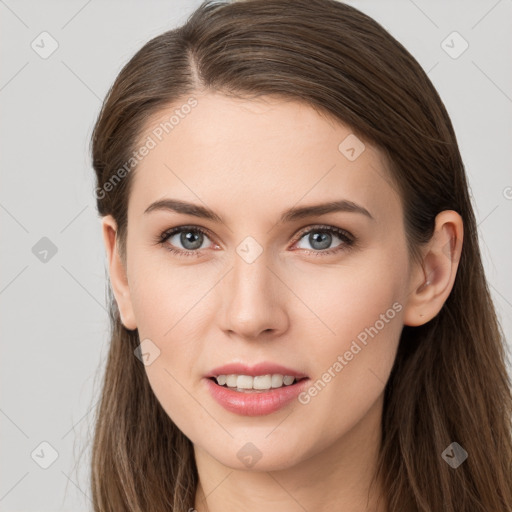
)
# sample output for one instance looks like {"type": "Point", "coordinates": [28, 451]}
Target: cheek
{"type": "Point", "coordinates": [163, 301]}
{"type": "Point", "coordinates": [344, 301]}
{"type": "Point", "coordinates": [170, 312]}
{"type": "Point", "coordinates": [164, 293]}
{"type": "Point", "coordinates": [356, 340]}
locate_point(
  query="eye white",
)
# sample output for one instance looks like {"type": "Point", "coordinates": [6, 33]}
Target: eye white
{"type": "Point", "coordinates": [318, 230]}
{"type": "Point", "coordinates": [179, 244]}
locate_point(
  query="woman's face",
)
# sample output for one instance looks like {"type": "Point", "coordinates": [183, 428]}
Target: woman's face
{"type": "Point", "coordinates": [263, 286]}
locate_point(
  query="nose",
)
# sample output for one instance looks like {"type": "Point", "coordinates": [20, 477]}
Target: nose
{"type": "Point", "coordinates": [253, 300]}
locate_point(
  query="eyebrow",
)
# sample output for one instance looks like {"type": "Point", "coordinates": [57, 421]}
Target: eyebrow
{"type": "Point", "coordinates": [290, 215]}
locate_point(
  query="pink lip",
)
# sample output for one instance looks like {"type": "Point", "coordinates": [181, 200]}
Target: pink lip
{"type": "Point", "coordinates": [255, 403]}
{"type": "Point", "coordinates": [263, 368]}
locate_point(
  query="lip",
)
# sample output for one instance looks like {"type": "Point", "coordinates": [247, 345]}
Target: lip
{"type": "Point", "coordinates": [263, 368]}
{"type": "Point", "coordinates": [255, 403]}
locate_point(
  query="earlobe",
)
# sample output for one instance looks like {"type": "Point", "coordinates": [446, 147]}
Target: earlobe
{"type": "Point", "coordinates": [432, 282]}
{"type": "Point", "coordinates": [117, 272]}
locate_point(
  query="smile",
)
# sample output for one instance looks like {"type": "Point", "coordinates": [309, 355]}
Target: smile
{"type": "Point", "coordinates": [256, 383]}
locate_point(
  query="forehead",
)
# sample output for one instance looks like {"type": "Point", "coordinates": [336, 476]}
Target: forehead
{"type": "Point", "coordinates": [258, 156]}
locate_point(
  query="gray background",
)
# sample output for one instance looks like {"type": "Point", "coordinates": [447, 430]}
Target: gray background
{"type": "Point", "coordinates": [54, 322]}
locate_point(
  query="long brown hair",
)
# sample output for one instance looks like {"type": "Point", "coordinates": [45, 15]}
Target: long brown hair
{"type": "Point", "coordinates": [449, 382]}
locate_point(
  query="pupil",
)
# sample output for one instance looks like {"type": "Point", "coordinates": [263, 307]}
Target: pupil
{"type": "Point", "coordinates": [192, 237]}
{"type": "Point", "coordinates": [324, 238]}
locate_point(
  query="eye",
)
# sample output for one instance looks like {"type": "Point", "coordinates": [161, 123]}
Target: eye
{"type": "Point", "coordinates": [190, 238]}
{"type": "Point", "coordinates": [320, 239]}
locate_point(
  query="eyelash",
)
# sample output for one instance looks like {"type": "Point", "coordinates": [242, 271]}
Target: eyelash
{"type": "Point", "coordinates": [348, 240]}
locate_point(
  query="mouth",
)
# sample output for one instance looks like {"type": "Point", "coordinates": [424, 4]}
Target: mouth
{"type": "Point", "coordinates": [257, 394]}
{"type": "Point", "coordinates": [256, 384]}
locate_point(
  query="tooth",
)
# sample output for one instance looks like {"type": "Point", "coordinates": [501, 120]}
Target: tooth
{"type": "Point", "coordinates": [277, 380]}
{"type": "Point", "coordinates": [259, 382]}
{"type": "Point", "coordinates": [262, 382]}
{"type": "Point", "coordinates": [231, 380]}
{"type": "Point", "coordinates": [244, 382]}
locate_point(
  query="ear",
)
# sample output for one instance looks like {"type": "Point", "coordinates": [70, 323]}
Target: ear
{"type": "Point", "coordinates": [432, 281]}
{"type": "Point", "coordinates": [117, 271]}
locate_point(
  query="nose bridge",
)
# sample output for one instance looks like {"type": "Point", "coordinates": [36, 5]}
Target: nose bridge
{"type": "Point", "coordinates": [251, 295]}
{"type": "Point", "coordinates": [251, 279]}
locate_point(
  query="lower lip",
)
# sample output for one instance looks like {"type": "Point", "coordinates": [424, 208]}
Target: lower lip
{"type": "Point", "coordinates": [255, 403]}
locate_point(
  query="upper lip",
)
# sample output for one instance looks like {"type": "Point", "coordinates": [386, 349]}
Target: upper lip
{"type": "Point", "coordinates": [264, 368]}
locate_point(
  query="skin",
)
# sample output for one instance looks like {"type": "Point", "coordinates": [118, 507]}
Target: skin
{"type": "Point", "coordinates": [248, 161]}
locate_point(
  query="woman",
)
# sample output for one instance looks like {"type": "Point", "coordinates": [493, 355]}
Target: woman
{"type": "Point", "coordinates": [300, 317]}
